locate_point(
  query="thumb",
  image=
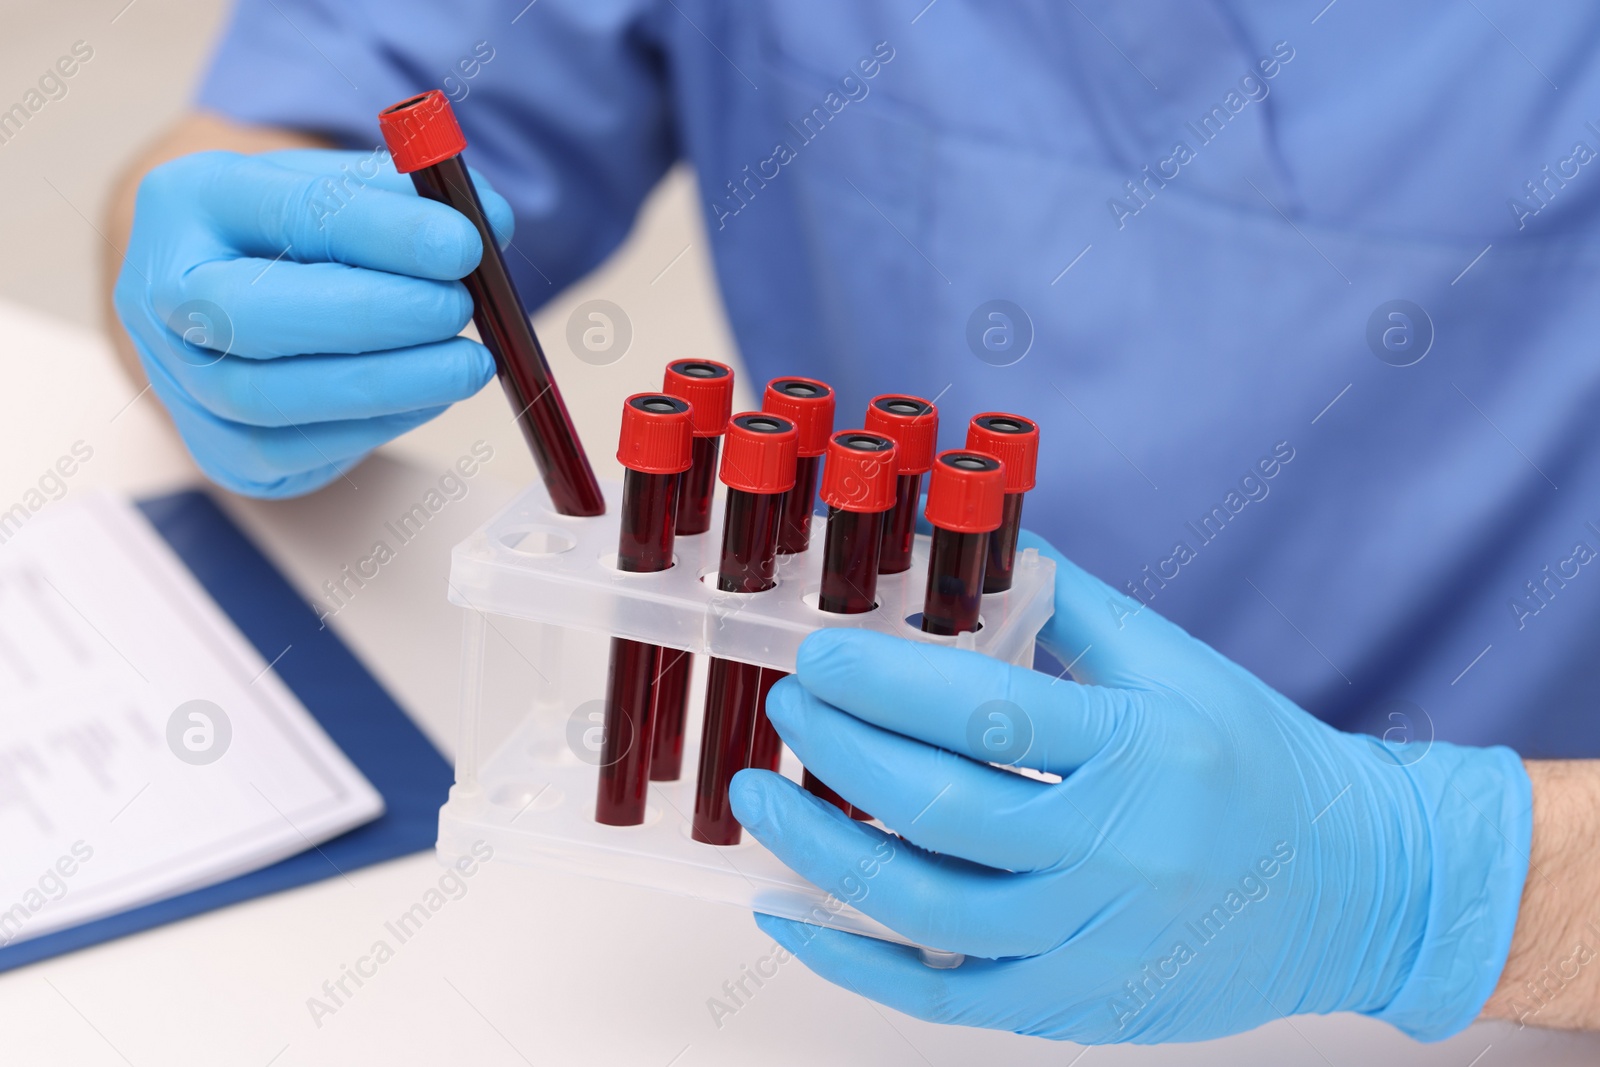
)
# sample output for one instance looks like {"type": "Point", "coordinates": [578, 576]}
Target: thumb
{"type": "Point", "coordinates": [1108, 638]}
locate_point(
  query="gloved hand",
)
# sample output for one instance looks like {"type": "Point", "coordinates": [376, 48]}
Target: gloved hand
{"type": "Point", "coordinates": [1211, 858]}
{"type": "Point", "coordinates": [296, 309]}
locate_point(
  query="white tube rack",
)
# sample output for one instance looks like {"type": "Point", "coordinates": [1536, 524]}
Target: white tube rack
{"type": "Point", "coordinates": [543, 598]}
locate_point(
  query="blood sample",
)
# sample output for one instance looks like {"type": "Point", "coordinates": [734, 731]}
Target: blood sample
{"type": "Point", "coordinates": [859, 489]}
{"type": "Point", "coordinates": [758, 468]}
{"type": "Point", "coordinates": [1014, 441]}
{"type": "Point", "coordinates": [655, 448]}
{"type": "Point", "coordinates": [766, 747]}
{"type": "Point", "coordinates": [913, 423]}
{"type": "Point", "coordinates": [808, 404]}
{"type": "Point", "coordinates": [426, 142]}
{"type": "Point", "coordinates": [708, 387]}
{"type": "Point", "coordinates": [671, 714]}
{"type": "Point", "coordinates": [965, 502]}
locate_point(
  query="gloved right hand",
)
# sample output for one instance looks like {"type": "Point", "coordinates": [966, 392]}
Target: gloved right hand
{"type": "Point", "coordinates": [1202, 857]}
{"type": "Point", "coordinates": [293, 313]}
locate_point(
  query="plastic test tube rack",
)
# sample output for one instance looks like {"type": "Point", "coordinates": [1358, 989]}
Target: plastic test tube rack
{"type": "Point", "coordinates": [521, 784]}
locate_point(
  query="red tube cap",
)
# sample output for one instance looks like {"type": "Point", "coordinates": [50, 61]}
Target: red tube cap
{"type": "Point", "coordinates": [1011, 439]}
{"type": "Point", "coordinates": [860, 472]}
{"type": "Point", "coordinates": [708, 387]}
{"type": "Point", "coordinates": [808, 404]}
{"type": "Point", "coordinates": [421, 131]}
{"type": "Point", "coordinates": [758, 453]}
{"type": "Point", "coordinates": [657, 435]}
{"type": "Point", "coordinates": [966, 492]}
{"type": "Point", "coordinates": [913, 423]}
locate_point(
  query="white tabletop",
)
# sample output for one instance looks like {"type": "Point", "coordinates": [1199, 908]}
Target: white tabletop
{"type": "Point", "coordinates": [528, 966]}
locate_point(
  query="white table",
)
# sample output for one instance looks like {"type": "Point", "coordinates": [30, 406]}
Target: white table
{"type": "Point", "coordinates": [527, 966]}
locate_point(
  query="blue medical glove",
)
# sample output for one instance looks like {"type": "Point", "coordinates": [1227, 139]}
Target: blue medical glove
{"type": "Point", "coordinates": [294, 310]}
{"type": "Point", "coordinates": [1212, 857]}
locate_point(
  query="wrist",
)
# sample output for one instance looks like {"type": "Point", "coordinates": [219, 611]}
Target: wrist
{"type": "Point", "coordinates": [1477, 808]}
{"type": "Point", "coordinates": [1547, 980]}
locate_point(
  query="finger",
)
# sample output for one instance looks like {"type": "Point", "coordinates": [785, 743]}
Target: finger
{"type": "Point", "coordinates": [940, 901]}
{"type": "Point", "coordinates": [1106, 637]}
{"type": "Point", "coordinates": [264, 310]}
{"type": "Point", "coordinates": [267, 461]}
{"type": "Point", "coordinates": [496, 209]}
{"type": "Point", "coordinates": [891, 974]}
{"type": "Point", "coordinates": [934, 798]}
{"type": "Point", "coordinates": [993, 994]}
{"type": "Point", "coordinates": [265, 209]}
{"type": "Point", "coordinates": [962, 701]}
{"type": "Point", "coordinates": [342, 174]}
{"type": "Point", "coordinates": [296, 390]}
{"type": "Point", "coordinates": [348, 171]}
{"type": "Point", "coordinates": [286, 486]}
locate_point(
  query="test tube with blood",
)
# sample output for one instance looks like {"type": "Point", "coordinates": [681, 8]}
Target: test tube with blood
{"type": "Point", "coordinates": [913, 423]}
{"type": "Point", "coordinates": [758, 468]}
{"type": "Point", "coordinates": [766, 747]}
{"type": "Point", "coordinates": [655, 449]}
{"type": "Point", "coordinates": [708, 387]}
{"type": "Point", "coordinates": [807, 403]}
{"type": "Point", "coordinates": [859, 489]}
{"type": "Point", "coordinates": [1014, 441]}
{"type": "Point", "coordinates": [966, 494]}
{"type": "Point", "coordinates": [426, 142]}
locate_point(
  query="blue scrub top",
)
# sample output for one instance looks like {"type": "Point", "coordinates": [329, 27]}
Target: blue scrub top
{"type": "Point", "coordinates": [1304, 302]}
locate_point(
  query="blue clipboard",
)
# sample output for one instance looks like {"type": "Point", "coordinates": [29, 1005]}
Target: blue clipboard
{"type": "Point", "coordinates": [360, 717]}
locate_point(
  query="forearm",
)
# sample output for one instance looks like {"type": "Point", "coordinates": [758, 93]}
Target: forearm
{"type": "Point", "coordinates": [1552, 975]}
{"type": "Point", "coordinates": [198, 132]}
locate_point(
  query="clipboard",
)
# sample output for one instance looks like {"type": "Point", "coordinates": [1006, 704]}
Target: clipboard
{"type": "Point", "coordinates": [355, 711]}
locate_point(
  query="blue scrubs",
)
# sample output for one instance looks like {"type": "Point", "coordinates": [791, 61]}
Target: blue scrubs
{"type": "Point", "coordinates": [1173, 232]}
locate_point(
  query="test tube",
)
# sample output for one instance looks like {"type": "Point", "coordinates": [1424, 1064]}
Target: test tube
{"type": "Point", "coordinates": [913, 423]}
{"type": "Point", "coordinates": [859, 489]}
{"type": "Point", "coordinates": [426, 142]}
{"type": "Point", "coordinates": [766, 747]}
{"type": "Point", "coordinates": [808, 404]}
{"type": "Point", "coordinates": [708, 387]}
{"type": "Point", "coordinates": [758, 468]}
{"type": "Point", "coordinates": [1014, 441]}
{"type": "Point", "coordinates": [965, 503]}
{"type": "Point", "coordinates": [655, 449]}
